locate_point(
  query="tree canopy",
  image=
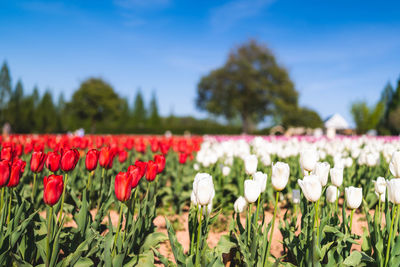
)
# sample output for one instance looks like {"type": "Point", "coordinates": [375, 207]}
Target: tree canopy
{"type": "Point", "coordinates": [252, 85]}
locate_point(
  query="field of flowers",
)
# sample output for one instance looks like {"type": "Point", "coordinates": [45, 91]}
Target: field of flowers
{"type": "Point", "coordinates": [59, 194]}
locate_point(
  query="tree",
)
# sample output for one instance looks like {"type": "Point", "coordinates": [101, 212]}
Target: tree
{"type": "Point", "coordinates": [5, 88]}
{"type": "Point", "coordinates": [366, 118]}
{"type": "Point", "coordinates": [304, 117]}
{"type": "Point", "coordinates": [14, 108]}
{"type": "Point", "coordinates": [154, 118]}
{"type": "Point", "coordinates": [393, 107]}
{"type": "Point", "coordinates": [46, 114]}
{"type": "Point", "coordinates": [139, 114]}
{"type": "Point", "coordinates": [251, 84]}
{"type": "Point", "coordinates": [94, 104]}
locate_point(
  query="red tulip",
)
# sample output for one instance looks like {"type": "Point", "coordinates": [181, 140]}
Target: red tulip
{"type": "Point", "coordinates": [69, 160]}
{"type": "Point", "coordinates": [142, 167]}
{"type": "Point", "coordinates": [7, 153]}
{"type": "Point", "coordinates": [17, 169]}
{"type": "Point", "coordinates": [160, 161]}
{"type": "Point", "coordinates": [92, 157]}
{"type": "Point", "coordinates": [53, 161]}
{"type": "Point", "coordinates": [123, 186]}
{"type": "Point", "coordinates": [37, 161]}
{"type": "Point", "coordinates": [182, 158]}
{"type": "Point", "coordinates": [151, 171]}
{"type": "Point", "coordinates": [122, 156]}
{"type": "Point", "coordinates": [106, 157]}
{"type": "Point", "coordinates": [53, 188]}
{"type": "Point", "coordinates": [134, 171]}
{"type": "Point", "coordinates": [4, 172]}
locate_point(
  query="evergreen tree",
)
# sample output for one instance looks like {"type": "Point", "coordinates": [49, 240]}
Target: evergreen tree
{"type": "Point", "coordinates": [61, 114]}
{"type": "Point", "coordinates": [46, 114]}
{"type": "Point", "coordinates": [154, 118]}
{"type": "Point", "coordinates": [139, 114]}
{"type": "Point", "coordinates": [5, 88]}
{"type": "Point", "coordinates": [14, 108]}
{"type": "Point", "coordinates": [394, 111]}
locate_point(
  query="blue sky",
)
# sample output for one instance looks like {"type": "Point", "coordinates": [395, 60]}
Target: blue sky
{"type": "Point", "coordinates": [335, 51]}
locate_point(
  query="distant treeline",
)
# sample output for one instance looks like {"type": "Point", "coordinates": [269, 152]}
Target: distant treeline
{"type": "Point", "coordinates": [96, 107]}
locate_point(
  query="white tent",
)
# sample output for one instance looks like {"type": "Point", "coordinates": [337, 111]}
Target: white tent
{"type": "Point", "coordinates": [337, 122]}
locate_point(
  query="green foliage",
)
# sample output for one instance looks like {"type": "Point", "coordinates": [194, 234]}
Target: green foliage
{"type": "Point", "coordinates": [367, 118]}
{"type": "Point", "coordinates": [139, 114]}
{"type": "Point", "coordinates": [251, 84]}
{"type": "Point", "coordinates": [302, 117]}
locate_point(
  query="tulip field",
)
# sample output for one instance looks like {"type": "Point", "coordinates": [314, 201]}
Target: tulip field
{"type": "Point", "coordinates": [93, 200]}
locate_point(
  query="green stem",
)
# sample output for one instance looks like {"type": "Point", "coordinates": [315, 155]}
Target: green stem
{"type": "Point", "coordinates": [118, 228]}
{"type": "Point", "coordinates": [34, 188]}
{"type": "Point", "coordinates": [9, 206]}
{"type": "Point", "coordinates": [62, 199]}
{"type": "Point", "coordinates": [249, 222]}
{"type": "Point", "coordinates": [390, 236]}
{"type": "Point", "coordinates": [316, 221]}
{"type": "Point", "coordinates": [379, 209]}
{"type": "Point", "coordinates": [351, 219]}
{"type": "Point", "coordinates": [337, 200]}
{"type": "Point", "coordinates": [2, 200]}
{"type": "Point", "coordinates": [49, 221]}
{"type": "Point", "coordinates": [198, 237]}
{"type": "Point", "coordinates": [272, 229]}
{"type": "Point", "coordinates": [101, 188]}
{"type": "Point", "coordinates": [89, 181]}
{"type": "Point", "coordinates": [257, 211]}
{"type": "Point", "coordinates": [192, 239]}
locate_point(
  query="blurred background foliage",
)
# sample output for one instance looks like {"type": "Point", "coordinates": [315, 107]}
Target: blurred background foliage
{"type": "Point", "coordinates": [250, 93]}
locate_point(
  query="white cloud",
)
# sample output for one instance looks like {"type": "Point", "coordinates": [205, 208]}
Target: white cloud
{"type": "Point", "coordinates": [225, 16]}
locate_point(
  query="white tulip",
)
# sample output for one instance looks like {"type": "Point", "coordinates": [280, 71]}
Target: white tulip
{"type": "Point", "coordinates": [240, 204]}
{"type": "Point", "coordinates": [226, 170]}
{"type": "Point", "coordinates": [308, 159]}
{"type": "Point", "coordinates": [393, 187]}
{"type": "Point", "coordinates": [261, 178]}
{"type": "Point", "coordinates": [380, 185]}
{"type": "Point", "coordinates": [394, 164]}
{"type": "Point", "coordinates": [250, 164]}
{"type": "Point", "coordinates": [196, 166]}
{"type": "Point", "coordinates": [353, 197]}
{"type": "Point", "coordinates": [193, 198]}
{"type": "Point", "coordinates": [280, 175]}
{"type": "Point", "coordinates": [203, 188]}
{"type": "Point", "coordinates": [296, 196]}
{"type": "Point", "coordinates": [311, 187]}
{"type": "Point", "coordinates": [332, 193]}
{"type": "Point", "coordinates": [336, 176]}
{"type": "Point", "coordinates": [322, 171]}
{"type": "Point", "coordinates": [252, 190]}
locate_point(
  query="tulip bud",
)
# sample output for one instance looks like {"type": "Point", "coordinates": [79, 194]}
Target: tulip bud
{"type": "Point", "coordinates": [7, 153]}
{"type": "Point", "coordinates": [380, 185]}
{"type": "Point", "coordinates": [53, 161]}
{"type": "Point", "coordinates": [123, 186]}
{"type": "Point", "coordinates": [53, 188]}
{"type": "Point", "coordinates": [37, 161]}
{"type": "Point", "coordinates": [322, 171]}
{"type": "Point", "coordinates": [353, 197]}
{"type": "Point", "coordinates": [17, 169]}
{"type": "Point", "coordinates": [252, 190]}
{"type": "Point", "coordinates": [250, 164]}
{"type": "Point", "coordinates": [280, 175]}
{"type": "Point", "coordinates": [240, 204]}
{"type": "Point", "coordinates": [106, 157]}
{"type": "Point", "coordinates": [160, 161]}
{"type": "Point", "coordinates": [336, 176]}
{"type": "Point", "coordinates": [261, 179]}
{"type": "Point", "coordinates": [69, 159]}
{"type": "Point", "coordinates": [296, 196]}
{"type": "Point", "coordinates": [91, 159]}
{"type": "Point", "coordinates": [142, 167]}
{"type": "Point", "coordinates": [4, 172]}
{"type": "Point", "coordinates": [203, 188]}
{"type": "Point", "coordinates": [151, 171]}
{"type": "Point", "coordinates": [308, 159]}
{"type": "Point", "coordinates": [122, 156]}
{"type": "Point", "coordinates": [226, 170]}
{"type": "Point", "coordinates": [393, 187]}
{"type": "Point", "coordinates": [311, 187]}
{"type": "Point", "coordinates": [394, 164]}
{"type": "Point", "coordinates": [332, 193]}
{"type": "Point", "coordinates": [134, 172]}
{"type": "Point", "coordinates": [182, 158]}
